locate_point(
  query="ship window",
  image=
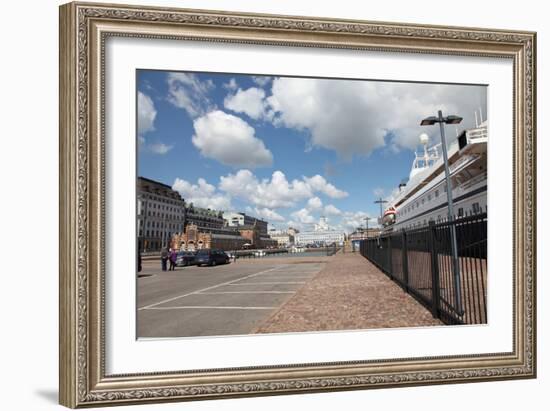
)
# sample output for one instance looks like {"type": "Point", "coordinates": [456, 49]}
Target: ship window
{"type": "Point", "coordinates": [460, 212]}
{"type": "Point", "coordinates": [476, 208]}
{"type": "Point", "coordinates": [445, 188]}
{"type": "Point", "coordinates": [422, 201]}
{"type": "Point", "coordinates": [437, 193]}
{"type": "Point", "coordinates": [429, 197]}
{"type": "Point", "coordinates": [417, 204]}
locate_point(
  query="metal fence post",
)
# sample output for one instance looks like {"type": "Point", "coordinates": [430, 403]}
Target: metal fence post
{"type": "Point", "coordinates": [405, 261]}
{"type": "Point", "coordinates": [390, 261]}
{"type": "Point", "coordinates": [435, 272]}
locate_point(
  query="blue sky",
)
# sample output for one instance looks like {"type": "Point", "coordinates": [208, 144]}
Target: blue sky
{"type": "Point", "coordinates": [287, 149]}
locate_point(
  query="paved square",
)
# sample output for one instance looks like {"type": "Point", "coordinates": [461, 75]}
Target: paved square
{"type": "Point", "coordinates": [223, 300]}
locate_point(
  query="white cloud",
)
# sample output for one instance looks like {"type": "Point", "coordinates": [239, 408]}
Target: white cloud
{"type": "Point", "coordinates": [386, 194]}
{"type": "Point", "coordinates": [231, 85]}
{"type": "Point", "coordinates": [302, 216]}
{"type": "Point", "coordinates": [202, 194]}
{"type": "Point", "coordinates": [314, 203]}
{"type": "Point", "coordinates": [261, 80]}
{"type": "Point", "coordinates": [160, 148]}
{"type": "Point", "coordinates": [378, 192]}
{"type": "Point", "coordinates": [276, 192]}
{"type": "Point", "coordinates": [319, 183]}
{"type": "Point", "coordinates": [332, 210]}
{"type": "Point", "coordinates": [265, 213]}
{"type": "Point", "coordinates": [229, 140]}
{"type": "Point", "coordinates": [250, 101]}
{"type": "Point", "coordinates": [186, 91]}
{"type": "Point", "coordinates": [146, 114]}
{"type": "Point", "coordinates": [357, 117]}
{"type": "Point", "coordinates": [352, 220]}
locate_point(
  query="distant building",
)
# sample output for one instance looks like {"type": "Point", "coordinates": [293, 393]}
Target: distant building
{"type": "Point", "coordinates": [321, 235]}
{"type": "Point", "coordinates": [284, 238]}
{"type": "Point", "coordinates": [160, 213]}
{"type": "Point", "coordinates": [242, 219]}
{"type": "Point", "coordinates": [361, 234]}
{"type": "Point", "coordinates": [221, 238]}
{"type": "Point", "coordinates": [292, 231]}
{"type": "Point", "coordinates": [322, 225]}
{"type": "Point", "coordinates": [205, 219]}
{"type": "Point", "coordinates": [255, 237]}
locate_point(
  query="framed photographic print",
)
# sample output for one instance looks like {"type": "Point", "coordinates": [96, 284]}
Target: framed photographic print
{"type": "Point", "coordinates": [258, 204]}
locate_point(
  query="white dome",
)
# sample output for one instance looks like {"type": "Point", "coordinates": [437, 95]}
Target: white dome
{"type": "Point", "coordinates": [424, 138]}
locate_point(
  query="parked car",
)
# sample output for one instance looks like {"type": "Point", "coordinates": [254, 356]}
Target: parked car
{"type": "Point", "coordinates": [185, 258]}
{"type": "Point", "coordinates": [211, 257]}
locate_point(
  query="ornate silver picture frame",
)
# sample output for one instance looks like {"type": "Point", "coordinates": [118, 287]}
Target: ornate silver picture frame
{"type": "Point", "coordinates": [84, 30]}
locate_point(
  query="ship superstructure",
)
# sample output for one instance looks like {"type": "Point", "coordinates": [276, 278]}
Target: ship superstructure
{"type": "Point", "coordinates": [424, 197]}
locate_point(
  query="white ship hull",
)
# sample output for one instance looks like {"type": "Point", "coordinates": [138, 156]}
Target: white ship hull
{"type": "Point", "coordinates": [424, 197]}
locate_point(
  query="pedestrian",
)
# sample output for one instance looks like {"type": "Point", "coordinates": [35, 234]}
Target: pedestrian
{"type": "Point", "coordinates": [139, 261]}
{"type": "Point", "coordinates": [173, 258]}
{"type": "Point", "coordinates": [164, 258]}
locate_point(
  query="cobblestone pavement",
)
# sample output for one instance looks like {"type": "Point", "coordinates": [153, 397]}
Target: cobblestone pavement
{"type": "Point", "coordinates": [349, 293]}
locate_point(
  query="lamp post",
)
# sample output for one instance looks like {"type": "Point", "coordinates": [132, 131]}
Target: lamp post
{"type": "Point", "coordinates": [380, 201]}
{"type": "Point", "coordinates": [430, 121]}
{"type": "Point", "coordinates": [367, 221]}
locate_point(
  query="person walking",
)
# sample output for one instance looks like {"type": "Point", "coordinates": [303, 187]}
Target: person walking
{"type": "Point", "coordinates": [173, 258]}
{"type": "Point", "coordinates": [164, 258]}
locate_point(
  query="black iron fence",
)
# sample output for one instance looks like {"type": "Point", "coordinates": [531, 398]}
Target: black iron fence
{"type": "Point", "coordinates": [421, 262]}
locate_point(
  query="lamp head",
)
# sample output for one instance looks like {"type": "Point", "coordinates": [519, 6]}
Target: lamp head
{"type": "Point", "coordinates": [453, 119]}
{"type": "Point", "coordinates": [429, 121]}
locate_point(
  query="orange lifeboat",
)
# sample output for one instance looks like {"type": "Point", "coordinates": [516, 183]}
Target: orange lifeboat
{"type": "Point", "coordinates": [389, 217]}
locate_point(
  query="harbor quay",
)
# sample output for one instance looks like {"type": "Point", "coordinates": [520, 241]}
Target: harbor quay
{"type": "Point", "coordinates": [273, 295]}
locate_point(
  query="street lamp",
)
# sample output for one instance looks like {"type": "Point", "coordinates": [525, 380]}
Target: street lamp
{"type": "Point", "coordinates": [367, 221]}
{"type": "Point", "coordinates": [430, 121]}
{"type": "Point", "coordinates": [380, 201]}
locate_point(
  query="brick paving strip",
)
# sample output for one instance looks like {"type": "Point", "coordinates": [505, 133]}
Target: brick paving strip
{"type": "Point", "coordinates": [349, 293]}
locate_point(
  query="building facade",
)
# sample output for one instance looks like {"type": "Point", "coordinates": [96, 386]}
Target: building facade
{"type": "Point", "coordinates": [192, 239]}
{"type": "Point", "coordinates": [256, 238]}
{"type": "Point", "coordinates": [322, 234]}
{"type": "Point", "coordinates": [242, 219]}
{"type": "Point", "coordinates": [205, 219]}
{"type": "Point", "coordinates": [160, 213]}
{"type": "Point", "coordinates": [320, 237]}
{"type": "Point", "coordinates": [362, 234]}
{"type": "Point", "coordinates": [284, 238]}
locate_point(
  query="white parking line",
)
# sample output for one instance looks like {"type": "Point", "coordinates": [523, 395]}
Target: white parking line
{"type": "Point", "coordinates": [286, 278]}
{"type": "Point", "coordinates": [248, 292]}
{"type": "Point", "coordinates": [205, 289]}
{"type": "Point", "coordinates": [183, 307]}
{"type": "Point", "coordinates": [268, 283]}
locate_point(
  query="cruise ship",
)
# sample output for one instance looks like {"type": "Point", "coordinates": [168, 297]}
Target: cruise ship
{"type": "Point", "coordinates": [424, 197]}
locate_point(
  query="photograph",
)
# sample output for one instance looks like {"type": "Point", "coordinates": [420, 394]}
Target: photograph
{"type": "Point", "coordinates": [258, 203]}
{"type": "Point", "coordinates": [283, 204]}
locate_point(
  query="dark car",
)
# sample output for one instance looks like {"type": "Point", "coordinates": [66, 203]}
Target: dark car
{"type": "Point", "coordinates": [211, 257]}
{"type": "Point", "coordinates": [185, 258]}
